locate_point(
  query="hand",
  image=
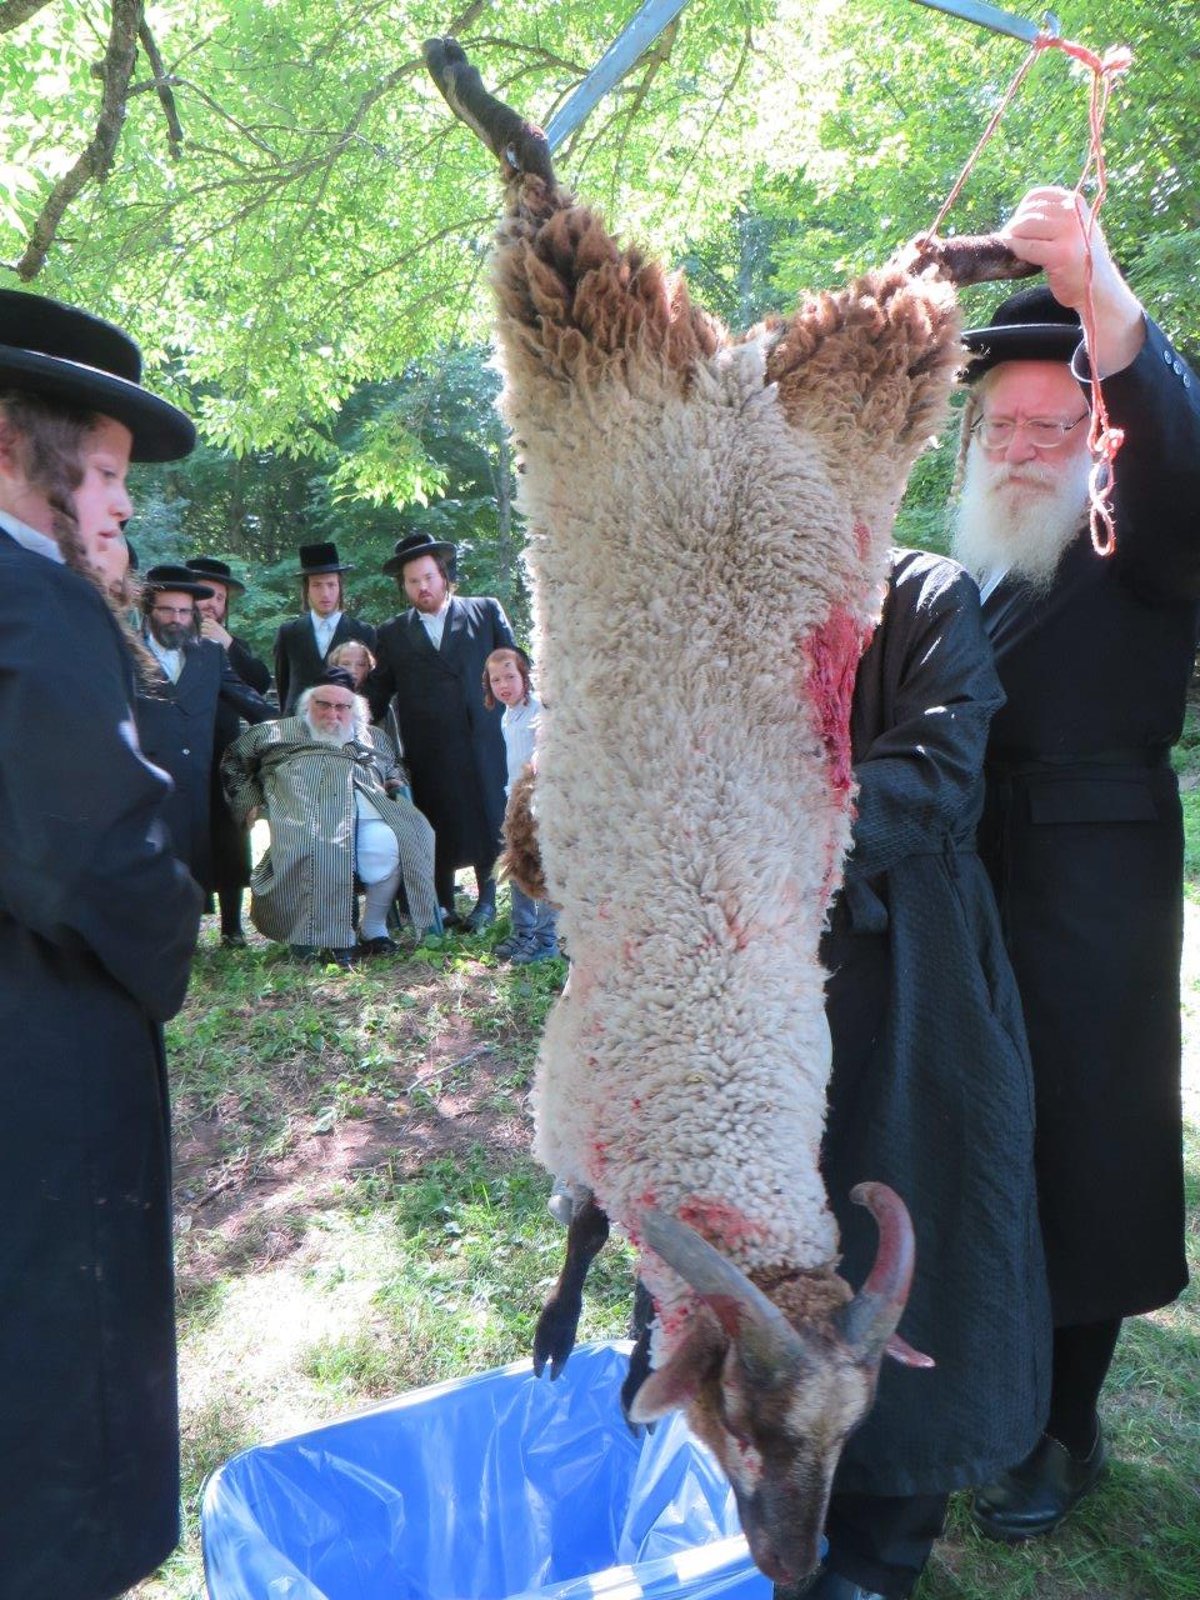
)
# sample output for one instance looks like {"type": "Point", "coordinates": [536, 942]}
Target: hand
{"type": "Point", "coordinates": [210, 629]}
{"type": "Point", "coordinates": [1047, 230]}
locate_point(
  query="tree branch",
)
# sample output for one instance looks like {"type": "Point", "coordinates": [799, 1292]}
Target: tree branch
{"type": "Point", "coordinates": [162, 84]}
{"type": "Point", "coordinates": [14, 12]}
{"type": "Point", "coordinates": [96, 161]}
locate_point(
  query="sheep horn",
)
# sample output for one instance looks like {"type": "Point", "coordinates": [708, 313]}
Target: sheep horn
{"type": "Point", "coordinates": [757, 1325]}
{"type": "Point", "coordinates": [870, 1319]}
{"type": "Point", "coordinates": [520, 144]}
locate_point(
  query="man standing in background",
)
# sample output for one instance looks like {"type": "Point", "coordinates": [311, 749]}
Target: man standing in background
{"type": "Point", "coordinates": [302, 646]}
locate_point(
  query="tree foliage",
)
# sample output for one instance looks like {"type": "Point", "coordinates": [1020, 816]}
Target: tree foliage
{"type": "Point", "coordinates": [272, 196]}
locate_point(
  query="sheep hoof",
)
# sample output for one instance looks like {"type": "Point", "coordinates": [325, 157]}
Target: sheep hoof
{"type": "Point", "coordinates": [553, 1339]}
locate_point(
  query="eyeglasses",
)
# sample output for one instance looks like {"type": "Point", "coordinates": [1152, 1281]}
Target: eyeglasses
{"type": "Point", "coordinates": [333, 705]}
{"type": "Point", "coordinates": [173, 611]}
{"type": "Point", "coordinates": [1044, 433]}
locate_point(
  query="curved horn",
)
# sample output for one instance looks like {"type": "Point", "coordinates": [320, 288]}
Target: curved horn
{"type": "Point", "coordinates": [870, 1319]}
{"type": "Point", "coordinates": [757, 1324]}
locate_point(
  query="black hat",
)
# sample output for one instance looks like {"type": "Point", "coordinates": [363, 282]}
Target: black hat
{"type": "Point", "coordinates": [209, 567]}
{"type": "Point", "coordinates": [1030, 325]}
{"type": "Point", "coordinates": [316, 559]}
{"type": "Point", "coordinates": [338, 678]}
{"type": "Point", "coordinates": [181, 580]}
{"type": "Point", "coordinates": [62, 354]}
{"type": "Point", "coordinates": [415, 545]}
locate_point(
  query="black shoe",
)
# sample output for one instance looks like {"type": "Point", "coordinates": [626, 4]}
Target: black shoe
{"type": "Point", "coordinates": [235, 940]}
{"type": "Point", "coordinates": [381, 946]}
{"type": "Point", "coordinates": [1033, 1498]}
{"type": "Point", "coordinates": [482, 917]}
{"type": "Point", "coordinates": [338, 958]}
{"type": "Point", "coordinates": [826, 1585]}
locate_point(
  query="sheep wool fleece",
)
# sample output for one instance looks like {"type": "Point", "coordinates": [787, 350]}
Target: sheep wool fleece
{"type": "Point", "coordinates": [709, 524]}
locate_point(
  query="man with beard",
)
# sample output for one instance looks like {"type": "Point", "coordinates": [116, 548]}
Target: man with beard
{"type": "Point", "coordinates": [97, 926]}
{"type": "Point", "coordinates": [303, 646]}
{"type": "Point", "coordinates": [328, 785]}
{"type": "Point", "coordinates": [430, 664]}
{"type": "Point", "coordinates": [177, 709]}
{"type": "Point", "coordinates": [1082, 830]}
{"type": "Point", "coordinates": [230, 844]}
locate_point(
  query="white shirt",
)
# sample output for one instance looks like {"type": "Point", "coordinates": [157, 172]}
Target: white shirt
{"type": "Point", "coordinates": [41, 544]}
{"type": "Point", "coordinates": [325, 628]}
{"type": "Point", "coordinates": [519, 726]}
{"type": "Point", "coordinates": [435, 624]}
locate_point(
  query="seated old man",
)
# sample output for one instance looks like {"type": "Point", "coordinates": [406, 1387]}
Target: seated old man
{"type": "Point", "coordinates": [328, 785]}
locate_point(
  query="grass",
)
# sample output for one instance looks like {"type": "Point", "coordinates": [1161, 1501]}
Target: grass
{"type": "Point", "coordinates": [358, 1215]}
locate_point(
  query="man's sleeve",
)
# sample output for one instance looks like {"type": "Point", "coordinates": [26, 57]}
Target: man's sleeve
{"type": "Point", "coordinates": [249, 668]}
{"type": "Point", "coordinates": [245, 700]}
{"type": "Point", "coordinates": [240, 775]}
{"type": "Point", "coordinates": [1156, 402]}
{"type": "Point", "coordinates": [86, 863]}
{"type": "Point", "coordinates": [380, 685]}
{"type": "Point", "coordinates": [920, 779]}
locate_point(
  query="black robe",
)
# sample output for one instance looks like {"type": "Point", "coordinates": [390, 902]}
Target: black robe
{"type": "Point", "coordinates": [931, 1088]}
{"type": "Point", "coordinates": [1083, 836]}
{"type": "Point", "coordinates": [97, 926]}
{"type": "Point", "coordinates": [177, 730]}
{"type": "Point", "coordinates": [231, 843]}
{"type": "Point", "coordinates": [298, 662]}
{"type": "Point", "coordinates": [453, 746]}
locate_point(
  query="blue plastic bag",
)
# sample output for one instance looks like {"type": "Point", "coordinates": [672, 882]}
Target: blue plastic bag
{"type": "Point", "coordinates": [501, 1486]}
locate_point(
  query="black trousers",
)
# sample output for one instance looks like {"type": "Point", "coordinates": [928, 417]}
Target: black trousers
{"type": "Point", "coordinates": [882, 1542]}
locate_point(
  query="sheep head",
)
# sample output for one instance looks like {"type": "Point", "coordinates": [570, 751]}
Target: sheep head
{"type": "Point", "coordinates": [776, 1402]}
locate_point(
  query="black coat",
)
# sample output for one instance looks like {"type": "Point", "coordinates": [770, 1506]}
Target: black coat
{"type": "Point", "coordinates": [97, 926]}
{"type": "Point", "coordinates": [453, 747]}
{"type": "Point", "coordinates": [931, 1088]}
{"type": "Point", "coordinates": [1083, 837]}
{"type": "Point", "coordinates": [177, 729]}
{"type": "Point", "coordinates": [298, 662]}
{"type": "Point", "coordinates": [231, 844]}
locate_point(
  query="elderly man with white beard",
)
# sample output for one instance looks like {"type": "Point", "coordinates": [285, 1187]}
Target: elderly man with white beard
{"type": "Point", "coordinates": [330, 786]}
{"type": "Point", "coordinates": [1082, 830]}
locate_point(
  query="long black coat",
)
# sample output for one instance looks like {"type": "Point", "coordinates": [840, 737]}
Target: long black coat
{"type": "Point", "coordinates": [298, 662]}
{"type": "Point", "coordinates": [1083, 837]}
{"type": "Point", "coordinates": [97, 925]}
{"type": "Point", "coordinates": [931, 1088]}
{"type": "Point", "coordinates": [231, 844]}
{"type": "Point", "coordinates": [177, 729]}
{"type": "Point", "coordinates": [453, 747]}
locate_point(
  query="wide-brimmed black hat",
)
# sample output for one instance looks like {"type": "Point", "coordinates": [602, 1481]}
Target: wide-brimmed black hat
{"type": "Point", "coordinates": [181, 580]}
{"type": "Point", "coordinates": [62, 354]}
{"type": "Point", "coordinates": [1029, 326]}
{"type": "Point", "coordinates": [415, 545]}
{"type": "Point", "coordinates": [316, 559]}
{"type": "Point", "coordinates": [210, 567]}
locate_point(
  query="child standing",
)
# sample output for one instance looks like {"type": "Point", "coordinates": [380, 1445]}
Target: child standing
{"type": "Point", "coordinates": [534, 934]}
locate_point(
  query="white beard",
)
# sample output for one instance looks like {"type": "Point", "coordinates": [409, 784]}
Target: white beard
{"type": "Point", "coordinates": [319, 736]}
{"type": "Point", "coordinates": [1019, 519]}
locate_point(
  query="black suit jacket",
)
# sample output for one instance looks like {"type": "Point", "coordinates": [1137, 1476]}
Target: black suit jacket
{"type": "Point", "coordinates": [1083, 838]}
{"type": "Point", "coordinates": [231, 844]}
{"type": "Point", "coordinates": [453, 745]}
{"type": "Point", "coordinates": [298, 662]}
{"type": "Point", "coordinates": [177, 728]}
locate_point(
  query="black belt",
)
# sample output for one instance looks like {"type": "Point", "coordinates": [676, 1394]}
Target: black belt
{"type": "Point", "coordinates": [1016, 761]}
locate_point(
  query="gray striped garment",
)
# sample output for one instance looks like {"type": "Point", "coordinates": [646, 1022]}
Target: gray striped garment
{"type": "Point", "coordinates": [302, 889]}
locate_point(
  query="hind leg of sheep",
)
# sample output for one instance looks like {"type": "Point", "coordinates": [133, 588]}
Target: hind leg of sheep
{"type": "Point", "coordinates": [555, 1336]}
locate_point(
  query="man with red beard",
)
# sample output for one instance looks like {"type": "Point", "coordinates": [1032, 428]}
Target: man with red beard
{"type": "Point", "coordinates": [1082, 830]}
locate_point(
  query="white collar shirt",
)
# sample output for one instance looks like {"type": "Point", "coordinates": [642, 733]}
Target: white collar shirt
{"type": "Point", "coordinates": [40, 544]}
{"type": "Point", "coordinates": [325, 628]}
{"type": "Point", "coordinates": [435, 624]}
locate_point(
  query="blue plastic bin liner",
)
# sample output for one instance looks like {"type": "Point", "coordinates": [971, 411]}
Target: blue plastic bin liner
{"type": "Point", "coordinates": [500, 1486]}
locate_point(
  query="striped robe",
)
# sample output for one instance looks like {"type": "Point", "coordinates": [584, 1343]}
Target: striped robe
{"type": "Point", "coordinates": [302, 891]}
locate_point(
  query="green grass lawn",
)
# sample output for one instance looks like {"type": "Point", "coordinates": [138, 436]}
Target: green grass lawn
{"type": "Point", "coordinates": [357, 1214]}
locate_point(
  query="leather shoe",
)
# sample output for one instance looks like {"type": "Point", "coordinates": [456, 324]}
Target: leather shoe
{"type": "Point", "coordinates": [482, 917]}
{"type": "Point", "coordinates": [1034, 1497]}
{"type": "Point", "coordinates": [337, 958]}
{"type": "Point", "coordinates": [381, 946]}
